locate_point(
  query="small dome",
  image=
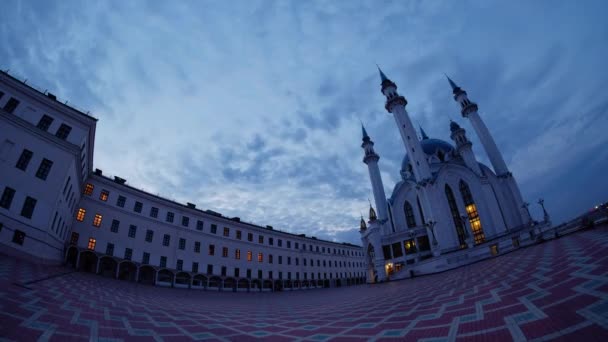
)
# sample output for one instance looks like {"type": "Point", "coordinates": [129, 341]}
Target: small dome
{"type": "Point", "coordinates": [430, 147]}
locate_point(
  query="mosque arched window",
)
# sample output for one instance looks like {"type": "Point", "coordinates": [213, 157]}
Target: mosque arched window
{"type": "Point", "coordinates": [409, 215]}
{"type": "Point", "coordinates": [472, 212]}
{"type": "Point", "coordinates": [449, 194]}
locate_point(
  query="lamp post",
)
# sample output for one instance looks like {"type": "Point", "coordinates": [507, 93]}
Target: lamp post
{"type": "Point", "coordinates": [542, 204]}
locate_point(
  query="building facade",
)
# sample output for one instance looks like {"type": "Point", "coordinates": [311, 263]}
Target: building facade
{"type": "Point", "coordinates": [446, 201]}
{"type": "Point", "coordinates": [55, 208]}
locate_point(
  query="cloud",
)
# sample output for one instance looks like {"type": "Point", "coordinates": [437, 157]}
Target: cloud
{"type": "Point", "coordinates": [253, 110]}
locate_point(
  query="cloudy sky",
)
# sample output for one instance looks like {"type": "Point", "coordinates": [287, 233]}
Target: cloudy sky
{"type": "Point", "coordinates": [253, 108]}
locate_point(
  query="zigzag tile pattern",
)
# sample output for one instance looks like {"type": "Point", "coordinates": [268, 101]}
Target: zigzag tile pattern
{"type": "Point", "coordinates": [557, 290]}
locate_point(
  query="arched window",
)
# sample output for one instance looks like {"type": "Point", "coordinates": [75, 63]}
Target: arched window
{"type": "Point", "coordinates": [472, 213]}
{"type": "Point", "coordinates": [449, 194]}
{"type": "Point", "coordinates": [409, 215]}
{"type": "Point", "coordinates": [420, 209]}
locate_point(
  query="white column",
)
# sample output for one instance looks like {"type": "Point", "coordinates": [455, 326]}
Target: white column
{"type": "Point", "coordinates": [413, 147]}
{"type": "Point", "coordinates": [498, 163]}
{"type": "Point", "coordinates": [378, 190]}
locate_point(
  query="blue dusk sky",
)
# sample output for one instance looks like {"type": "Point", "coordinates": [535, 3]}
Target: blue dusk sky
{"type": "Point", "coordinates": [253, 108]}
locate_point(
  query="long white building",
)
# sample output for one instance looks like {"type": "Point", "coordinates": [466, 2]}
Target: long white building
{"type": "Point", "coordinates": [55, 208]}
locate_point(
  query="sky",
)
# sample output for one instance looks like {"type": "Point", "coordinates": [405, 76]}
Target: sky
{"type": "Point", "coordinates": [254, 108]}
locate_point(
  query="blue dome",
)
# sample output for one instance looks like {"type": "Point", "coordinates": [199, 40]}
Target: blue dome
{"type": "Point", "coordinates": [429, 146]}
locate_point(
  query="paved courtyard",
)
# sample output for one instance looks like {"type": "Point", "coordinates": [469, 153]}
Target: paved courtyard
{"type": "Point", "coordinates": [555, 290]}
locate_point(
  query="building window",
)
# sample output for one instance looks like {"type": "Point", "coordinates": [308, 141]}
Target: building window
{"type": "Point", "coordinates": [185, 221]}
{"type": "Point", "coordinates": [114, 226]}
{"type": "Point", "coordinates": [238, 234]}
{"type": "Point", "coordinates": [237, 254]}
{"type": "Point", "coordinates": [137, 207]}
{"type": "Point", "coordinates": [44, 169]}
{"type": "Point", "coordinates": [74, 238]}
{"type": "Point", "coordinates": [397, 251]}
{"type": "Point", "coordinates": [110, 249]}
{"type": "Point", "coordinates": [297, 246]}
{"type": "Point", "coordinates": [225, 252]}
{"type": "Point", "coordinates": [223, 271]}
{"type": "Point", "coordinates": [211, 249]}
{"type": "Point", "coordinates": [259, 274]}
{"type": "Point", "coordinates": [11, 105]}
{"type": "Point", "coordinates": [199, 225]}
{"type": "Point", "coordinates": [63, 131]}
{"type": "Point", "coordinates": [195, 267]}
{"type": "Point", "coordinates": [149, 235]}
{"type": "Point", "coordinates": [458, 223]}
{"type": "Point", "coordinates": [182, 244]}
{"type": "Point", "coordinates": [163, 261]}
{"type": "Point", "coordinates": [249, 236]}
{"type": "Point", "coordinates": [28, 207]}
{"type": "Point", "coordinates": [288, 244]}
{"type": "Point", "coordinates": [97, 220]}
{"type": "Point", "coordinates": [249, 273]}
{"type": "Point", "coordinates": [45, 122]}
{"type": "Point", "coordinates": [471, 209]}
{"type": "Point", "coordinates": [197, 247]}
{"type": "Point", "coordinates": [132, 231]}
{"type": "Point", "coordinates": [91, 245]}
{"type": "Point", "coordinates": [280, 259]}
{"type": "Point", "coordinates": [18, 237]}
{"type": "Point", "coordinates": [270, 241]}
{"type": "Point", "coordinates": [260, 257]}
{"type": "Point", "coordinates": [7, 198]}
{"type": "Point", "coordinates": [81, 214]}
{"type": "Point", "coordinates": [270, 258]}
{"type": "Point", "coordinates": [237, 272]}
{"type": "Point", "coordinates": [280, 243]}
{"type": "Point", "coordinates": [226, 231]}
{"type": "Point", "coordinates": [104, 195]}
{"type": "Point", "coordinates": [146, 258]}
{"type": "Point", "coordinates": [213, 229]}
{"type": "Point", "coordinates": [409, 215]}
{"type": "Point", "coordinates": [288, 260]}
{"type": "Point", "coordinates": [209, 269]}
{"type": "Point", "coordinates": [261, 239]}
{"type": "Point", "coordinates": [410, 246]}
{"type": "Point", "coordinates": [170, 217]}
{"type": "Point", "coordinates": [249, 255]}
{"type": "Point", "coordinates": [180, 264]}
{"type": "Point", "coordinates": [24, 159]}
{"type": "Point", "coordinates": [154, 212]}
{"type": "Point", "coordinates": [121, 201]}
{"type": "Point", "coordinates": [166, 239]}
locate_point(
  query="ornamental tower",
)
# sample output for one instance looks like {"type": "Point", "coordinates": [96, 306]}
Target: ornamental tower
{"type": "Point", "coordinates": [395, 104]}
{"type": "Point", "coordinates": [464, 147]}
{"type": "Point", "coordinates": [371, 159]}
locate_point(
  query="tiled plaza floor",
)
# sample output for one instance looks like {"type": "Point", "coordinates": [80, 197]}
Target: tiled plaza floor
{"type": "Point", "coordinates": [555, 290]}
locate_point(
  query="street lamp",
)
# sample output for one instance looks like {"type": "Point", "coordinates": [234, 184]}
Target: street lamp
{"type": "Point", "coordinates": [542, 204]}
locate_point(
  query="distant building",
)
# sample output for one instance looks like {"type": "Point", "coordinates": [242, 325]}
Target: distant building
{"type": "Point", "coordinates": [448, 209]}
{"type": "Point", "coordinates": [54, 208]}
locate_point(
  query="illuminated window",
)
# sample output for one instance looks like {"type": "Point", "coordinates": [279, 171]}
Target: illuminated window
{"type": "Point", "coordinates": [249, 255]}
{"type": "Point", "coordinates": [226, 231]}
{"type": "Point", "coordinates": [410, 246]}
{"type": "Point", "coordinates": [260, 257]}
{"type": "Point", "coordinates": [80, 215]}
{"type": "Point", "coordinates": [104, 195]}
{"type": "Point", "coordinates": [91, 244]}
{"type": "Point", "coordinates": [97, 220]}
{"type": "Point", "coordinates": [225, 252]}
{"type": "Point", "coordinates": [494, 249]}
{"type": "Point", "coordinates": [237, 254]}
{"type": "Point", "coordinates": [472, 213]}
{"type": "Point", "coordinates": [88, 189]}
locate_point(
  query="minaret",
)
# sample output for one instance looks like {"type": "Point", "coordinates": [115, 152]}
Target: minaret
{"type": "Point", "coordinates": [395, 104]}
{"type": "Point", "coordinates": [371, 159]}
{"type": "Point", "coordinates": [469, 110]}
{"type": "Point", "coordinates": [464, 147]}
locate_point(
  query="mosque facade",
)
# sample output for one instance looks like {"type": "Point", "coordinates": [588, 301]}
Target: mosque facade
{"type": "Point", "coordinates": [448, 209]}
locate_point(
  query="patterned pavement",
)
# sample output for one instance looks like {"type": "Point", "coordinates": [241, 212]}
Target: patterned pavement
{"type": "Point", "coordinates": [557, 290]}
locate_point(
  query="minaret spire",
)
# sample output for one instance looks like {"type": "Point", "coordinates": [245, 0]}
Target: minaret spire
{"type": "Point", "coordinates": [371, 158]}
{"type": "Point", "coordinates": [364, 133]}
{"type": "Point", "coordinates": [382, 75]}
{"type": "Point", "coordinates": [395, 104]}
{"type": "Point", "coordinates": [423, 133]}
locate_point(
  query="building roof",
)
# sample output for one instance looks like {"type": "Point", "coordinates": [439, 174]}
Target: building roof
{"type": "Point", "coordinates": [429, 146]}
